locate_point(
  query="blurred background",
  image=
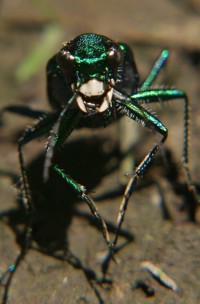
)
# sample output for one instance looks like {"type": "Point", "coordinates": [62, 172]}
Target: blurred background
{"type": "Point", "coordinates": [31, 31]}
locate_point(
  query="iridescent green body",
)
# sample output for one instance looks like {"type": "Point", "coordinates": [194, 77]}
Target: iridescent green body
{"type": "Point", "coordinates": [91, 82]}
{"type": "Point", "coordinates": [90, 52]}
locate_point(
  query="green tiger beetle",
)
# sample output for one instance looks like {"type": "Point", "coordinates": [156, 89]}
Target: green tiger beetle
{"type": "Point", "coordinates": [91, 82]}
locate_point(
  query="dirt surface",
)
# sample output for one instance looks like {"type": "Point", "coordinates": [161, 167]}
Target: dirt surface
{"type": "Point", "coordinates": [162, 221]}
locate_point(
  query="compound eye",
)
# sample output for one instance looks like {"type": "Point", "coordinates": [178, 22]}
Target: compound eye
{"type": "Point", "coordinates": [114, 57]}
{"type": "Point", "coordinates": [66, 61]}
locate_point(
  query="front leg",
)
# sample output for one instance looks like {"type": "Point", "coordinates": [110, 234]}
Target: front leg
{"type": "Point", "coordinates": [41, 128]}
{"type": "Point", "coordinates": [127, 140]}
{"type": "Point", "coordinates": [136, 112]}
{"type": "Point", "coordinates": [88, 199]}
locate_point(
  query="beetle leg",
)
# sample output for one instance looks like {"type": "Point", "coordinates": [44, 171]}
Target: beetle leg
{"type": "Point", "coordinates": [158, 65]}
{"type": "Point", "coordinates": [88, 199]}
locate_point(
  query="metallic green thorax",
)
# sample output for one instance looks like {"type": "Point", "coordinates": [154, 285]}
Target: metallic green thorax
{"type": "Point", "coordinates": [90, 52]}
{"type": "Point", "coordinates": [89, 48]}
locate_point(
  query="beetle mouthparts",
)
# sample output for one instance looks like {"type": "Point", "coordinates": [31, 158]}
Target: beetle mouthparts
{"type": "Point", "coordinates": [94, 96]}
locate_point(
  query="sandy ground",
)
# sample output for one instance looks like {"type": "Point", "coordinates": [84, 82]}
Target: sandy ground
{"type": "Point", "coordinates": [162, 221]}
